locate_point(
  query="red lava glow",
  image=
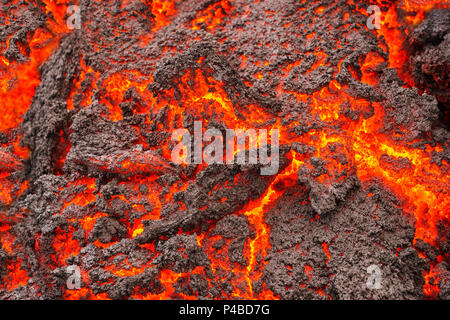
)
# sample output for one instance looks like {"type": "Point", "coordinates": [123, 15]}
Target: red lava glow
{"type": "Point", "coordinates": [422, 187]}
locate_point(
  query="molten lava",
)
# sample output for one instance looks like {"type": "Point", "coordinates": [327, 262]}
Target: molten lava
{"type": "Point", "coordinates": [85, 151]}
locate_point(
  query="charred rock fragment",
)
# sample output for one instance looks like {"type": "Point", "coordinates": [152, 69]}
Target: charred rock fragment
{"type": "Point", "coordinates": [429, 45]}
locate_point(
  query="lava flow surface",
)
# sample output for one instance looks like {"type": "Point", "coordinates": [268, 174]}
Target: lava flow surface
{"type": "Point", "coordinates": [93, 205]}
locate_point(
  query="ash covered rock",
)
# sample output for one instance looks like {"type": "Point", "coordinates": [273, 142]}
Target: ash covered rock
{"type": "Point", "coordinates": [237, 230]}
{"type": "Point", "coordinates": [429, 45]}
{"type": "Point", "coordinates": [327, 190]}
{"type": "Point", "coordinates": [399, 103]}
{"type": "Point", "coordinates": [443, 276]}
{"type": "Point", "coordinates": [328, 256]}
{"type": "Point", "coordinates": [107, 230]}
{"type": "Point", "coordinates": [27, 20]}
{"type": "Point", "coordinates": [300, 81]}
{"type": "Point", "coordinates": [181, 253]}
{"type": "Point", "coordinates": [3, 261]}
{"type": "Point", "coordinates": [48, 114]}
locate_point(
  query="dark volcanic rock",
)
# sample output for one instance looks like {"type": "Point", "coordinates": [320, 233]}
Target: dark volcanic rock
{"type": "Point", "coordinates": [328, 256]}
{"type": "Point", "coordinates": [429, 45]}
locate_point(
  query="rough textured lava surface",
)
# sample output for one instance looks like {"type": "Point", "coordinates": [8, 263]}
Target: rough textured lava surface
{"type": "Point", "coordinates": [88, 187]}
